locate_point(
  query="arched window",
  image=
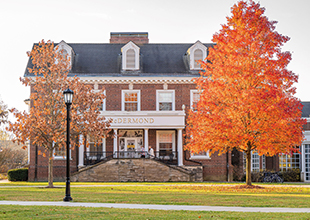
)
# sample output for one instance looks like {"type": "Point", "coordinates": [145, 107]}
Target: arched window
{"type": "Point", "coordinates": [130, 59]}
{"type": "Point", "coordinates": [198, 55]}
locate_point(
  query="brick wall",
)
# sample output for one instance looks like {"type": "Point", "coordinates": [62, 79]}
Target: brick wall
{"type": "Point", "coordinates": [147, 95]}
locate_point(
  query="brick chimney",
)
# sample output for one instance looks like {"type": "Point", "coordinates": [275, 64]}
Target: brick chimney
{"type": "Point", "coordinates": [125, 37]}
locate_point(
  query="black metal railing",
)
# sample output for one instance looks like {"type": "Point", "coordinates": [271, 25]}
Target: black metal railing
{"type": "Point", "coordinates": [165, 156]}
{"type": "Point", "coordinates": [93, 157]}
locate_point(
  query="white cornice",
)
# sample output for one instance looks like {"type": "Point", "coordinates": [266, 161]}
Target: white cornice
{"type": "Point", "coordinates": [137, 80]}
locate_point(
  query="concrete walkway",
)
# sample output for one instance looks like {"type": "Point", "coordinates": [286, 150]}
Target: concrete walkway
{"type": "Point", "coordinates": [160, 207]}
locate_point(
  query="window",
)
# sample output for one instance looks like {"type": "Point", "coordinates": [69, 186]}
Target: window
{"type": "Point", "coordinates": [165, 143]}
{"type": "Point", "coordinates": [131, 100]}
{"type": "Point", "coordinates": [198, 55]}
{"type": "Point", "coordinates": [201, 155]}
{"type": "Point", "coordinates": [165, 100]}
{"type": "Point", "coordinates": [196, 52]}
{"type": "Point", "coordinates": [61, 152]}
{"type": "Point", "coordinates": [66, 51]}
{"type": "Point", "coordinates": [255, 164]}
{"type": "Point", "coordinates": [96, 150]}
{"type": "Point", "coordinates": [195, 96]}
{"type": "Point", "coordinates": [102, 107]}
{"type": "Point", "coordinates": [130, 57]}
{"type": "Point", "coordinates": [287, 162]}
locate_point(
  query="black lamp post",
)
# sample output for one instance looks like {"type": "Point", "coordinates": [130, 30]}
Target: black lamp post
{"type": "Point", "coordinates": [68, 95]}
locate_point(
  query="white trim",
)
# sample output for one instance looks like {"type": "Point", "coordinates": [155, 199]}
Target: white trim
{"type": "Point", "coordinates": [191, 51]}
{"type": "Point", "coordinates": [180, 147]}
{"type": "Point", "coordinates": [81, 151]}
{"type": "Point", "coordinates": [136, 49]}
{"type": "Point", "coordinates": [192, 91]}
{"type": "Point", "coordinates": [200, 157]}
{"type": "Point", "coordinates": [165, 91]}
{"type": "Point", "coordinates": [104, 100]}
{"type": "Point", "coordinates": [157, 140]}
{"type": "Point", "coordinates": [138, 98]}
{"type": "Point", "coordinates": [64, 46]}
{"type": "Point", "coordinates": [134, 80]}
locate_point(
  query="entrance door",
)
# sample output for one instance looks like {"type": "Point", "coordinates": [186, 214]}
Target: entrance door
{"type": "Point", "coordinates": [131, 145]}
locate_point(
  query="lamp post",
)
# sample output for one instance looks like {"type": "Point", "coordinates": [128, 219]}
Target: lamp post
{"type": "Point", "coordinates": [68, 95]}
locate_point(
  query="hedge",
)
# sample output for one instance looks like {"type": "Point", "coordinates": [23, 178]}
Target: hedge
{"type": "Point", "coordinates": [18, 174]}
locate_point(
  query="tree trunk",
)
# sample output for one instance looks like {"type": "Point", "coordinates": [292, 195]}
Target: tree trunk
{"type": "Point", "coordinates": [248, 166]}
{"type": "Point", "coordinates": [50, 169]}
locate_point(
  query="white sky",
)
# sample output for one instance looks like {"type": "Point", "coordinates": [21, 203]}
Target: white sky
{"type": "Point", "coordinates": [24, 22]}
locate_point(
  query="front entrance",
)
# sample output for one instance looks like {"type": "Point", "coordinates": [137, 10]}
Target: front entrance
{"type": "Point", "coordinates": [130, 143]}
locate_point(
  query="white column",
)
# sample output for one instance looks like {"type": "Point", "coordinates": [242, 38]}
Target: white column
{"type": "Point", "coordinates": [115, 142]}
{"type": "Point", "coordinates": [180, 147]}
{"type": "Point", "coordinates": [81, 151]}
{"type": "Point", "coordinates": [146, 139]}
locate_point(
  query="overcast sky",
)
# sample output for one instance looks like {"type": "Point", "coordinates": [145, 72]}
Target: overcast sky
{"type": "Point", "coordinates": [24, 22]}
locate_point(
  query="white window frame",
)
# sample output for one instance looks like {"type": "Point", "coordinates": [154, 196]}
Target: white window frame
{"type": "Point", "coordinates": [201, 157]}
{"type": "Point", "coordinates": [62, 157]}
{"type": "Point", "coordinates": [103, 145]}
{"type": "Point", "coordinates": [252, 161]}
{"type": "Point", "coordinates": [191, 52]}
{"type": "Point", "coordinates": [138, 99]}
{"type": "Point", "coordinates": [165, 91]}
{"type": "Point", "coordinates": [64, 46]}
{"type": "Point", "coordinates": [128, 46]}
{"type": "Point", "coordinates": [192, 91]}
{"type": "Point", "coordinates": [283, 159]}
{"type": "Point", "coordinates": [104, 100]}
{"type": "Point", "coordinates": [158, 133]}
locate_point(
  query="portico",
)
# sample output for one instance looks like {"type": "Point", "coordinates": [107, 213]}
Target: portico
{"type": "Point", "coordinates": [133, 132]}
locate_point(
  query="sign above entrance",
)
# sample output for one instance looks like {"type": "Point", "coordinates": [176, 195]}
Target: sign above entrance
{"type": "Point", "coordinates": [141, 119]}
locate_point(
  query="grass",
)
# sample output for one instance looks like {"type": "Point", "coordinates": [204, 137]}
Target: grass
{"type": "Point", "coordinates": [164, 193]}
{"type": "Point", "coordinates": [53, 212]}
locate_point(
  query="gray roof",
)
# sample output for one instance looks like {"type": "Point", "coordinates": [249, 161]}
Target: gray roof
{"type": "Point", "coordinates": [105, 60]}
{"type": "Point", "coordinates": [305, 109]}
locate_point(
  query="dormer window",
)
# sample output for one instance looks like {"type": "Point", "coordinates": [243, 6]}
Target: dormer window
{"type": "Point", "coordinates": [196, 52]}
{"type": "Point", "coordinates": [130, 56]}
{"type": "Point", "coordinates": [198, 55]}
{"type": "Point", "coordinates": [130, 59]}
{"type": "Point", "coordinates": [66, 51]}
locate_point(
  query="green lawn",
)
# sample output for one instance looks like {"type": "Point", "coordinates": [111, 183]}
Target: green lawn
{"type": "Point", "coordinates": [164, 193]}
{"type": "Point", "coordinates": [53, 212]}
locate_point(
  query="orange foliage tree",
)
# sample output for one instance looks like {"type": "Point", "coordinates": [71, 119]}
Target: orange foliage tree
{"type": "Point", "coordinates": [246, 99]}
{"type": "Point", "coordinates": [45, 124]}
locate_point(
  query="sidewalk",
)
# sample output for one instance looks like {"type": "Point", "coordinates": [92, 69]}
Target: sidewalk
{"type": "Point", "coordinates": [160, 207]}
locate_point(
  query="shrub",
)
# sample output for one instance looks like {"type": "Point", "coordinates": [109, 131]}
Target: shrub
{"type": "Point", "coordinates": [291, 175]}
{"type": "Point", "coordinates": [18, 174]}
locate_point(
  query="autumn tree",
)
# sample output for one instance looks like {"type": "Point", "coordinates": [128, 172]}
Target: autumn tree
{"type": "Point", "coordinates": [45, 124]}
{"type": "Point", "coordinates": [246, 99]}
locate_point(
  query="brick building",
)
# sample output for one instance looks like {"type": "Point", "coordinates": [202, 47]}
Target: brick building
{"type": "Point", "coordinates": [149, 91]}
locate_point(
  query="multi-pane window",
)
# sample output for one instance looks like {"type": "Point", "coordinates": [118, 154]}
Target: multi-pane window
{"type": "Point", "coordinates": [195, 96]}
{"type": "Point", "coordinates": [60, 152]}
{"type": "Point", "coordinates": [200, 155]}
{"type": "Point", "coordinates": [165, 100]}
{"type": "Point", "coordinates": [130, 59]}
{"type": "Point", "coordinates": [289, 161]}
{"type": "Point", "coordinates": [95, 147]}
{"type": "Point", "coordinates": [254, 161]}
{"type": "Point", "coordinates": [166, 143]}
{"type": "Point", "coordinates": [131, 100]}
{"type": "Point", "coordinates": [198, 55]}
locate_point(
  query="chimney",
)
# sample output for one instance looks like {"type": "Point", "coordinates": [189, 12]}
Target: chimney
{"type": "Point", "coordinates": [125, 37]}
